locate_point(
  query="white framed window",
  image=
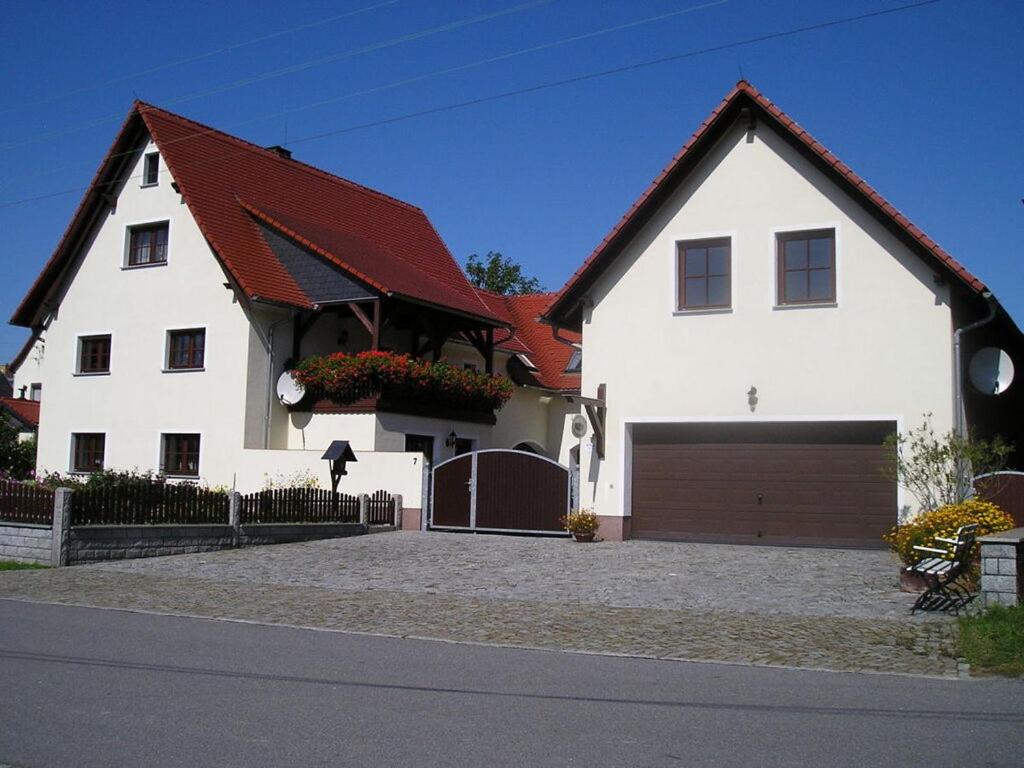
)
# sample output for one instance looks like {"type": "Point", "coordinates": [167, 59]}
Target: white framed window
{"type": "Point", "coordinates": [185, 350]}
{"type": "Point", "coordinates": [146, 245]}
{"type": "Point", "coordinates": [179, 454]}
{"type": "Point", "coordinates": [88, 450]}
{"type": "Point", "coordinates": [151, 169]}
{"type": "Point", "coordinates": [93, 358]}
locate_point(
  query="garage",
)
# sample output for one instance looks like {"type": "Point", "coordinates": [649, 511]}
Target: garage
{"type": "Point", "coordinates": [804, 483]}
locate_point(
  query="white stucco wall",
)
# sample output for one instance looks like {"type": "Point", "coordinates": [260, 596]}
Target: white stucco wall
{"type": "Point", "coordinates": [883, 351]}
{"type": "Point", "coordinates": [137, 400]}
{"type": "Point", "coordinates": [31, 369]}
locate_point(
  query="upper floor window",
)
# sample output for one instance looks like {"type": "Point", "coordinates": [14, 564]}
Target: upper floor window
{"type": "Point", "coordinates": [94, 354]}
{"type": "Point", "coordinates": [35, 391]}
{"type": "Point", "coordinates": [147, 245]}
{"type": "Point", "coordinates": [87, 449]}
{"type": "Point", "coordinates": [180, 455]}
{"type": "Point", "coordinates": [807, 267]}
{"type": "Point", "coordinates": [186, 350]}
{"type": "Point", "coordinates": [704, 274]}
{"type": "Point", "coordinates": [150, 169]}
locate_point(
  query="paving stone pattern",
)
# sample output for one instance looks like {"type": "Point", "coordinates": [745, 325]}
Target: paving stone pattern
{"type": "Point", "coordinates": [814, 608]}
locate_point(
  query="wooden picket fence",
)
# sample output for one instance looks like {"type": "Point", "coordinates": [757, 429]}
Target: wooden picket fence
{"type": "Point", "coordinates": [298, 505]}
{"type": "Point", "coordinates": [382, 508]}
{"type": "Point", "coordinates": [152, 504]}
{"type": "Point", "coordinates": [22, 503]}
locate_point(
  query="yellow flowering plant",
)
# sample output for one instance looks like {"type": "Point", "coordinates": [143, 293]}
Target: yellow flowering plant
{"type": "Point", "coordinates": [580, 521]}
{"type": "Point", "coordinates": [945, 521]}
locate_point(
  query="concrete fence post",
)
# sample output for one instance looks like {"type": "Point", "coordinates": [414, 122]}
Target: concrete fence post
{"type": "Point", "coordinates": [60, 529]}
{"type": "Point", "coordinates": [235, 517]}
{"type": "Point", "coordinates": [364, 509]}
{"type": "Point", "coordinates": [398, 511]}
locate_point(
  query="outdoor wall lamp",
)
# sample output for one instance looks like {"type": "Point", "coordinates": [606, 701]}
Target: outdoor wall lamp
{"type": "Point", "coordinates": [752, 398]}
{"type": "Point", "coordinates": [449, 441]}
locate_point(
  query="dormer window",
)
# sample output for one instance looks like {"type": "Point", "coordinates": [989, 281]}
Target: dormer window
{"type": "Point", "coordinates": [151, 169]}
{"type": "Point", "coordinates": [147, 245]}
{"type": "Point", "coordinates": [575, 364]}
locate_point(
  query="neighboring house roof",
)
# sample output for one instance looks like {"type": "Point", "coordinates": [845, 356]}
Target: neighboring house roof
{"type": "Point", "coordinates": [25, 412]}
{"type": "Point", "coordinates": [230, 184]}
{"type": "Point", "coordinates": [535, 340]}
{"type": "Point", "coordinates": [565, 308]}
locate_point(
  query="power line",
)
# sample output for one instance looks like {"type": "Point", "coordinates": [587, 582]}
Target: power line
{"type": "Point", "coordinates": [534, 89]}
{"type": "Point", "coordinates": [420, 78]}
{"type": "Point", "coordinates": [289, 70]}
{"type": "Point", "coordinates": [197, 57]}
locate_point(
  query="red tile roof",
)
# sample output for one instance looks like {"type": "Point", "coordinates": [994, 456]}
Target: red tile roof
{"type": "Point", "coordinates": [744, 93]}
{"type": "Point", "coordinates": [225, 181]}
{"type": "Point", "coordinates": [25, 411]}
{"type": "Point", "coordinates": [549, 355]}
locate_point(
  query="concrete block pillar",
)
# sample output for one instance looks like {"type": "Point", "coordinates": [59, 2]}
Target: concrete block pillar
{"type": "Point", "coordinates": [398, 511]}
{"type": "Point", "coordinates": [235, 517]}
{"type": "Point", "coordinates": [60, 530]}
{"type": "Point", "coordinates": [1002, 568]}
{"type": "Point", "coordinates": [364, 509]}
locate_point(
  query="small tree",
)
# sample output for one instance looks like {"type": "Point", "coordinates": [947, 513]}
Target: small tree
{"type": "Point", "coordinates": [937, 468]}
{"type": "Point", "coordinates": [17, 457]}
{"type": "Point", "coordinates": [499, 274]}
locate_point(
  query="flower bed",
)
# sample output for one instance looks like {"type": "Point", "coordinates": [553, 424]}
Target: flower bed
{"type": "Point", "coordinates": [344, 379]}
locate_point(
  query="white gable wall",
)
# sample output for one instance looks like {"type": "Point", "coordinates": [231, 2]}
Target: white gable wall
{"type": "Point", "coordinates": [884, 350]}
{"type": "Point", "coordinates": [137, 401]}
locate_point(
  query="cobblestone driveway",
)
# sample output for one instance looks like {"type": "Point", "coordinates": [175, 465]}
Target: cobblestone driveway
{"type": "Point", "coordinates": [829, 609]}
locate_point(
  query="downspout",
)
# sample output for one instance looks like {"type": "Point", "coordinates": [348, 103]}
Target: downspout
{"type": "Point", "coordinates": [268, 342]}
{"type": "Point", "coordinates": [960, 417]}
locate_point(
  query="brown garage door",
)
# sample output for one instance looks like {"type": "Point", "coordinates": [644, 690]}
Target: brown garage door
{"type": "Point", "coordinates": [820, 483]}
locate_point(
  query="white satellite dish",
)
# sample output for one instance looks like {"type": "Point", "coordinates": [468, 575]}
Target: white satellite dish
{"type": "Point", "coordinates": [991, 371]}
{"type": "Point", "coordinates": [289, 391]}
{"type": "Point", "coordinates": [579, 425]}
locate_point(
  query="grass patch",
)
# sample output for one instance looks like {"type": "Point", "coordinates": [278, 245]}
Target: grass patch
{"type": "Point", "coordinates": [993, 641]}
{"type": "Point", "coordinates": [10, 565]}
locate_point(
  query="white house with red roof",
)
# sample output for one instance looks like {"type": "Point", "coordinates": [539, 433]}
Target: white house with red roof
{"type": "Point", "coordinates": [199, 267]}
{"type": "Point", "coordinates": [753, 327]}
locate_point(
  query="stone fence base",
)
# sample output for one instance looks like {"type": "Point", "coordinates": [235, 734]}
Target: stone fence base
{"type": "Point", "coordinates": [64, 544]}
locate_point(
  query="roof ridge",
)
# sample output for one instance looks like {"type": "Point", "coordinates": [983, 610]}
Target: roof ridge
{"type": "Point", "coordinates": [143, 107]}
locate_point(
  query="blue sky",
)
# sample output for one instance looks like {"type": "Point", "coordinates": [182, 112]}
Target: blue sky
{"type": "Point", "coordinates": [926, 104]}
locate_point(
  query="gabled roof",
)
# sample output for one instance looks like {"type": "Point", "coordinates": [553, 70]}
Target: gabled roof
{"type": "Point", "coordinates": [535, 340]}
{"type": "Point", "coordinates": [26, 412]}
{"type": "Point", "coordinates": [565, 308]}
{"type": "Point", "coordinates": [228, 183]}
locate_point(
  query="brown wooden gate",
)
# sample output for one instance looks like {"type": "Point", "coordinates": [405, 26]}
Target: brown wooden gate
{"type": "Point", "coordinates": [500, 491]}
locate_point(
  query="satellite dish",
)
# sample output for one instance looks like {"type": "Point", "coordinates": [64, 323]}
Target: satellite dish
{"type": "Point", "coordinates": [579, 425]}
{"type": "Point", "coordinates": [991, 371]}
{"type": "Point", "coordinates": [289, 391]}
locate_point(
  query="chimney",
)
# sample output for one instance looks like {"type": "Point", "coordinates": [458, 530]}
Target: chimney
{"type": "Point", "coordinates": [277, 149]}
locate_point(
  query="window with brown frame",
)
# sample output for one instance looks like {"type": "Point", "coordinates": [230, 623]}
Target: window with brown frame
{"type": "Point", "coordinates": [807, 267]}
{"type": "Point", "coordinates": [94, 354]}
{"type": "Point", "coordinates": [87, 451]}
{"type": "Point", "coordinates": [704, 274]}
{"type": "Point", "coordinates": [147, 245]}
{"type": "Point", "coordinates": [180, 457]}
{"type": "Point", "coordinates": [186, 350]}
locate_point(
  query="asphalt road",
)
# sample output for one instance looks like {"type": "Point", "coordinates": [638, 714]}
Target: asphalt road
{"type": "Point", "coordinates": [88, 687]}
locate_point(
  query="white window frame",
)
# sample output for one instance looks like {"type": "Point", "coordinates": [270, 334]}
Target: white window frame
{"type": "Point", "coordinates": [145, 161]}
{"type": "Point", "coordinates": [165, 365]}
{"type": "Point", "coordinates": [160, 452]}
{"type": "Point", "coordinates": [142, 224]}
{"type": "Point", "coordinates": [77, 363]}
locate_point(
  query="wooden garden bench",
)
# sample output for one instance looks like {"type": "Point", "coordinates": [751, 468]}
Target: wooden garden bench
{"type": "Point", "coordinates": [941, 569]}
